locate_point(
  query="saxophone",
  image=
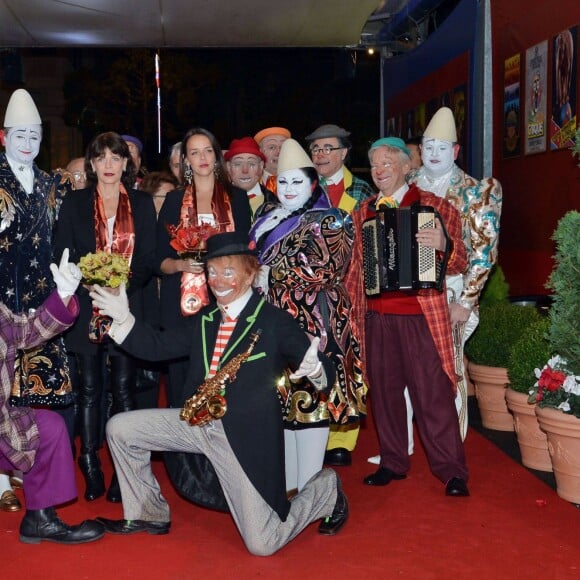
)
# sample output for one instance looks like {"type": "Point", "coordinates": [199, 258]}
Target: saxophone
{"type": "Point", "coordinates": [209, 402]}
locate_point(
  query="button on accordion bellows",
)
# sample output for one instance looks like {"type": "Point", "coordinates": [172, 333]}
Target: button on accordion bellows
{"type": "Point", "coordinates": [392, 257]}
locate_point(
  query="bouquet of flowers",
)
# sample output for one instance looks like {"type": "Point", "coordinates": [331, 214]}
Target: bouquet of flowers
{"type": "Point", "coordinates": [190, 241]}
{"type": "Point", "coordinates": [556, 388]}
{"type": "Point", "coordinates": [104, 269]}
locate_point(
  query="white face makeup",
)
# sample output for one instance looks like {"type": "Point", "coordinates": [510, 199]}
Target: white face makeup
{"type": "Point", "coordinates": [294, 189]}
{"type": "Point", "coordinates": [23, 143]}
{"type": "Point", "coordinates": [438, 156]}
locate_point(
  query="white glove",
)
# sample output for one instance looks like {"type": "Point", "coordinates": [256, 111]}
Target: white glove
{"type": "Point", "coordinates": [310, 365]}
{"type": "Point", "coordinates": [67, 276]}
{"type": "Point", "coordinates": [115, 306]}
{"type": "Point", "coordinates": [261, 280]}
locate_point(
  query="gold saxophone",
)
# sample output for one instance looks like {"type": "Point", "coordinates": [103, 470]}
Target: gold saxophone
{"type": "Point", "coordinates": [209, 402]}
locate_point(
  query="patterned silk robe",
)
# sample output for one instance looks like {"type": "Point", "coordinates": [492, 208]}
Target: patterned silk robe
{"type": "Point", "coordinates": [308, 256]}
{"type": "Point", "coordinates": [41, 374]}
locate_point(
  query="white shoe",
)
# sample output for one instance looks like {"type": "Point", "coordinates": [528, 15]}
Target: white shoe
{"type": "Point", "coordinates": [375, 459]}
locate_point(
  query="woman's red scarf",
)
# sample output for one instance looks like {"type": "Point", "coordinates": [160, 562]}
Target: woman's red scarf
{"type": "Point", "coordinates": [193, 287]}
{"type": "Point", "coordinates": [123, 242]}
{"type": "Point", "coordinates": [221, 208]}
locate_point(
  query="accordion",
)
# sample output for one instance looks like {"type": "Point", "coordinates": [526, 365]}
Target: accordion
{"type": "Point", "coordinates": [392, 257]}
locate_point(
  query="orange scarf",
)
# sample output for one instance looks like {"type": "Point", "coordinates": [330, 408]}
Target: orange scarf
{"type": "Point", "coordinates": [221, 208]}
{"type": "Point", "coordinates": [123, 242]}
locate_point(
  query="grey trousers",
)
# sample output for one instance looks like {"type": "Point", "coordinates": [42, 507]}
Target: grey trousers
{"type": "Point", "coordinates": [134, 434]}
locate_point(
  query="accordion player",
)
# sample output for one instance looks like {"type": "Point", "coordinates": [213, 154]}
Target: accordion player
{"type": "Point", "coordinates": [392, 257]}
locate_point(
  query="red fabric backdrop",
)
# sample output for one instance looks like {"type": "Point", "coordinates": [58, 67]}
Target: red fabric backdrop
{"type": "Point", "coordinates": [538, 189]}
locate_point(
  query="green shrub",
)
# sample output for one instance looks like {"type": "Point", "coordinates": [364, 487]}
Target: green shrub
{"type": "Point", "coordinates": [531, 351]}
{"type": "Point", "coordinates": [501, 325]}
{"type": "Point", "coordinates": [496, 288]}
{"type": "Point", "coordinates": [576, 148]}
{"type": "Point", "coordinates": [565, 282]}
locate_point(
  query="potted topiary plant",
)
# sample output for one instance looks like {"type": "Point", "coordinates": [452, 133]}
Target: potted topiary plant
{"type": "Point", "coordinates": [501, 324]}
{"type": "Point", "coordinates": [530, 352]}
{"type": "Point", "coordinates": [557, 391]}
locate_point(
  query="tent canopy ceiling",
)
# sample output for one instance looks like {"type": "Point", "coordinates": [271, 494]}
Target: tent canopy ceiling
{"type": "Point", "coordinates": [184, 23]}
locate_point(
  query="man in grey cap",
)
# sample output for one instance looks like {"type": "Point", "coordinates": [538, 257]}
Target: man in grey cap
{"type": "Point", "coordinates": [329, 146]}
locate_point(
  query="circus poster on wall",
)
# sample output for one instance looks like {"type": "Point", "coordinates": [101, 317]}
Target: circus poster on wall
{"type": "Point", "coordinates": [564, 61]}
{"type": "Point", "coordinates": [536, 98]}
{"type": "Point", "coordinates": [511, 107]}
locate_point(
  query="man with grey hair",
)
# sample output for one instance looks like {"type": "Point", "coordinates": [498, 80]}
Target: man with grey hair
{"type": "Point", "coordinates": [401, 324]}
{"type": "Point", "coordinates": [175, 161]}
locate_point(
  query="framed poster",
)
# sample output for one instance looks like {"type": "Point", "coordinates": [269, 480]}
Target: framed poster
{"type": "Point", "coordinates": [536, 98]}
{"type": "Point", "coordinates": [511, 107]}
{"type": "Point", "coordinates": [420, 120]}
{"type": "Point", "coordinates": [563, 121]}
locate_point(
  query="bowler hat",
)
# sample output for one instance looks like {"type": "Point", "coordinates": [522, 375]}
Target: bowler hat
{"type": "Point", "coordinates": [328, 131]}
{"type": "Point", "coordinates": [230, 244]}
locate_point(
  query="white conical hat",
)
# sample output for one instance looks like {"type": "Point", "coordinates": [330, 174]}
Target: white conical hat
{"type": "Point", "coordinates": [292, 156]}
{"type": "Point", "coordinates": [442, 126]}
{"type": "Point", "coordinates": [21, 110]}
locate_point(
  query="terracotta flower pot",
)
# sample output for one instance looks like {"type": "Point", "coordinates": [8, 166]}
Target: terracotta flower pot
{"type": "Point", "coordinates": [470, 385]}
{"type": "Point", "coordinates": [563, 433]}
{"type": "Point", "coordinates": [490, 386]}
{"type": "Point", "coordinates": [531, 439]}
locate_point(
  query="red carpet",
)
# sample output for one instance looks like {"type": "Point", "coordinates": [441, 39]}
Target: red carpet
{"type": "Point", "coordinates": [513, 526]}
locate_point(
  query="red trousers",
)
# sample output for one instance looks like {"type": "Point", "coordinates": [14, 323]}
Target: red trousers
{"type": "Point", "coordinates": [401, 352]}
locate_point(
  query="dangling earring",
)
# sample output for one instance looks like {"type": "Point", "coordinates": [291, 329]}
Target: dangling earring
{"type": "Point", "coordinates": [188, 174]}
{"type": "Point", "coordinates": [215, 168]}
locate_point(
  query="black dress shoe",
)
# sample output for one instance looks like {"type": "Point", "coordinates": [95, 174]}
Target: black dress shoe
{"type": "Point", "coordinates": [114, 491]}
{"type": "Point", "coordinates": [338, 456]}
{"type": "Point", "coordinates": [39, 525]}
{"type": "Point", "coordinates": [456, 487]}
{"type": "Point", "coordinates": [382, 476]}
{"type": "Point", "coordinates": [332, 524]}
{"type": "Point", "coordinates": [125, 527]}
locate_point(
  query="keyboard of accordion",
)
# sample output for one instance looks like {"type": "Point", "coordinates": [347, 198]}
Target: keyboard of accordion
{"type": "Point", "coordinates": [427, 269]}
{"type": "Point", "coordinates": [392, 258]}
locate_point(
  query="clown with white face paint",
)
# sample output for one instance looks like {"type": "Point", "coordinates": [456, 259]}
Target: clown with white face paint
{"type": "Point", "coordinates": [479, 204]}
{"type": "Point", "coordinates": [438, 156]}
{"type": "Point", "coordinates": [23, 144]}
{"type": "Point", "coordinates": [27, 214]}
{"type": "Point", "coordinates": [305, 247]}
{"type": "Point", "coordinates": [294, 189]}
